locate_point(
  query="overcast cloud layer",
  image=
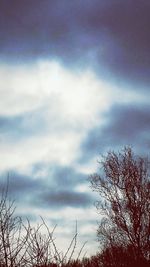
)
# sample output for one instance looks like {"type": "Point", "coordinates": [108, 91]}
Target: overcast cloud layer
{"type": "Point", "coordinates": [74, 83]}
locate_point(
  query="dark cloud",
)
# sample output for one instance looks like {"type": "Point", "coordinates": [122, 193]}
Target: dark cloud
{"type": "Point", "coordinates": [60, 188]}
{"type": "Point", "coordinates": [126, 125]}
{"type": "Point", "coordinates": [67, 177]}
{"type": "Point", "coordinates": [60, 199]}
{"type": "Point", "coordinates": [20, 186]}
{"type": "Point", "coordinates": [60, 176]}
{"type": "Point", "coordinates": [56, 189]}
{"type": "Point", "coordinates": [111, 35]}
{"type": "Point", "coordinates": [22, 126]}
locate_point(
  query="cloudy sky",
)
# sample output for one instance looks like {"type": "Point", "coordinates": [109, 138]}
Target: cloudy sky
{"type": "Point", "coordinates": [74, 83]}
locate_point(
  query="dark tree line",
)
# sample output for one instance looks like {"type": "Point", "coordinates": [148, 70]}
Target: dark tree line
{"type": "Point", "coordinates": [123, 186]}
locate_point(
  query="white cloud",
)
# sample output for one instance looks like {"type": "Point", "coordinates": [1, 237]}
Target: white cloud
{"type": "Point", "coordinates": [24, 88]}
{"type": "Point", "coordinates": [71, 103]}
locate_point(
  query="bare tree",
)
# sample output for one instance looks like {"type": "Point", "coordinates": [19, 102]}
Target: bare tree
{"type": "Point", "coordinates": [124, 188]}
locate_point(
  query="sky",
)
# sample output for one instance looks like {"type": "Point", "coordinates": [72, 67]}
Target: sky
{"type": "Point", "coordinates": [74, 84]}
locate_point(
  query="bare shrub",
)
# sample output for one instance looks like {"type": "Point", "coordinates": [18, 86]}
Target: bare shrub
{"type": "Point", "coordinates": [22, 245]}
{"type": "Point", "coordinates": [11, 239]}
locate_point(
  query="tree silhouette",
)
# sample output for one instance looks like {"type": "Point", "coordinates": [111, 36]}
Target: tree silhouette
{"type": "Point", "coordinates": [124, 189]}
